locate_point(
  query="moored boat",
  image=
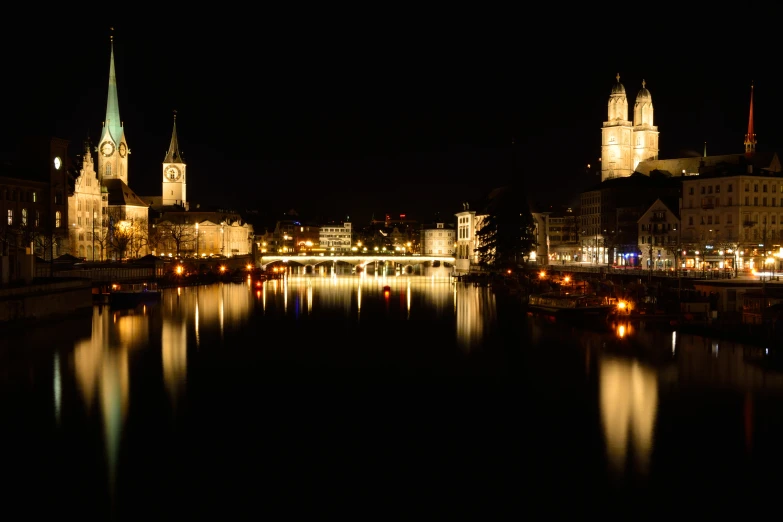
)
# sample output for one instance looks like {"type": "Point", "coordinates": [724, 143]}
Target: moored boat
{"type": "Point", "coordinates": [133, 294]}
{"type": "Point", "coordinates": [573, 305]}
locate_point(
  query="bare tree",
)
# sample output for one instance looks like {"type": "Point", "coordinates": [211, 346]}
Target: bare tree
{"type": "Point", "coordinates": [155, 238]}
{"type": "Point", "coordinates": [181, 234]}
{"type": "Point", "coordinates": [140, 236]}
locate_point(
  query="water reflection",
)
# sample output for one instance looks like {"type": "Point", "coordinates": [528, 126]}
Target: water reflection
{"type": "Point", "coordinates": [101, 368]}
{"type": "Point", "coordinates": [476, 314]}
{"type": "Point", "coordinates": [629, 402]}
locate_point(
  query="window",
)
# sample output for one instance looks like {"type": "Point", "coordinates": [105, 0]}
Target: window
{"type": "Point", "coordinates": [35, 197]}
{"type": "Point", "coordinates": [773, 199]}
{"type": "Point", "coordinates": [729, 200]}
{"type": "Point", "coordinates": [731, 187]}
{"type": "Point", "coordinates": [747, 198]}
{"type": "Point", "coordinates": [24, 217]}
{"type": "Point", "coordinates": [690, 220]}
{"type": "Point", "coordinates": [37, 218]}
{"type": "Point", "coordinates": [10, 217]}
{"type": "Point", "coordinates": [58, 219]}
{"type": "Point", "coordinates": [747, 187]}
{"type": "Point", "coordinates": [709, 189]}
{"type": "Point", "coordinates": [755, 187]}
{"type": "Point", "coordinates": [703, 190]}
{"type": "Point", "coordinates": [755, 201]}
{"type": "Point", "coordinates": [717, 189]}
{"type": "Point", "coordinates": [108, 169]}
{"type": "Point", "coordinates": [763, 188]}
{"type": "Point", "coordinates": [773, 217]}
{"type": "Point", "coordinates": [690, 191]}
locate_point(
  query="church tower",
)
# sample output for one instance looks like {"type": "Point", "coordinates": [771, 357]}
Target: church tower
{"type": "Point", "coordinates": [174, 180]}
{"type": "Point", "coordinates": [113, 148]}
{"type": "Point", "coordinates": [616, 136]}
{"type": "Point", "coordinates": [645, 134]}
{"type": "Point", "coordinates": [750, 137]}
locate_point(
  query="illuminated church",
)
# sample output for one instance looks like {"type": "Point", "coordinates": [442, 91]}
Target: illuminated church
{"type": "Point", "coordinates": [625, 143]}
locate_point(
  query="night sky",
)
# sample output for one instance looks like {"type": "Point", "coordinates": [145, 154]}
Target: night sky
{"type": "Point", "coordinates": [340, 119]}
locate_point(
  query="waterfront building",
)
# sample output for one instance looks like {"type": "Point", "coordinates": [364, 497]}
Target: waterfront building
{"type": "Point", "coordinates": [336, 239]}
{"type": "Point", "coordinates": [607, 235]}
{"type": "Point", "coordinates": [87, 206]}
{"type": "Point", "coordinates": [466, 251]}
{"type": "Point", "coordinates": [659, 236]}
{"type": "Point", "coordinates": [33, 204]}
{"type": "Point", "coordinates": [438, 239]}
{"type": "Point", "coordinates": [557, 237]}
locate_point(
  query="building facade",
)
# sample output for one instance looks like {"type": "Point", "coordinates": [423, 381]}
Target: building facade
{"type": "Point", "coordinates": [465, 254]}
{"type": "Point", "coordinates": [438, 239]}
{"type": "Point", "coordinates": [87, 206]}
{"type": "Point", "coordinates": [336, 238]}
{"type": "Point", "coordinates": [659, 237]}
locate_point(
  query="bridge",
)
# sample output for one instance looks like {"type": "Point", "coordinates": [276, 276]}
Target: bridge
{"type": "Point", "coordinates": [312, 262]}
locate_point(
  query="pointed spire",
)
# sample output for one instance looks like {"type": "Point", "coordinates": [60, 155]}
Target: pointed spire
{"type": "Point", "coordinates": [705, 149]}
{"type": "Point", "coordinates": [618, 77]}
{"type": "Point", "coordinates": [750, 137]}
{"type": "Point", "coordinates": [112, 123]}
{"type": "Point", "coordinates": [644, 84]}
{"type": "Point", "coordinates": [173, 155]}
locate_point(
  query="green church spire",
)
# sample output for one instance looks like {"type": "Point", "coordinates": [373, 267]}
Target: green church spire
{"type": "Point", "coordinates": [112, 125]}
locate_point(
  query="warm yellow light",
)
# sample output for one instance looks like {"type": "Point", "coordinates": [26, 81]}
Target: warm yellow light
{"type": "Point", "coordinates": [222, 268]}
{"type": "Point", "coordinates": [567, 279]}
{"type": "Point", "coordinates": [179, 269]}
{"type": "Point", "coordinates": [542, 274]}
{"type": "Point", "coordinates": [249, 266]}
{"type": "Point", "coordinates": [622, 305]}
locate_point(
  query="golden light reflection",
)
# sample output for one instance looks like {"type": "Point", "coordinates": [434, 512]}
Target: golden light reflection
{"type": "Point", "coordinates": [408, 298]}
{"type": "Point", "coordinates": [309, 298]}
{"type": "Point", "coordinates": [101, 367]}
{"type": "Point", "coordinates": [475, 306]}
{"type": "Point", "coordinates": [629, 403]}
{"type": "Point", "coordinates": [174, 358]}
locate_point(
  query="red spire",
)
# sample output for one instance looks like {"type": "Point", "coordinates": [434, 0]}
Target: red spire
{"type": "Point", "coordinates": [750, 137]}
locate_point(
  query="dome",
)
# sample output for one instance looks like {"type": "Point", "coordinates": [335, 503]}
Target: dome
{"type": "Point", "coordinates": [618, 87]}
{"type": "Point", "coordinates": [644, 94]}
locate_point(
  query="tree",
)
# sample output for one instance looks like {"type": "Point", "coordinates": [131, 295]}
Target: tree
{"type": "Point", "coordinates": [180, 233]}
{"type": "Point", "coordinates": [506, 236]}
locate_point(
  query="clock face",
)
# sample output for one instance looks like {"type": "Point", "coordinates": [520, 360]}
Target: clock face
{"type": "Point", "coordinates": [57, 163]}
{"type": "Point", "coordinates": [107, 149]}
{"type": "Point", "coordinates": [172, 173]}
{"type": "Point", "coordinates": [123, 150]}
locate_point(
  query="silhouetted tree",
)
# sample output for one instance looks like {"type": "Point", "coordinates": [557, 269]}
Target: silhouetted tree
{"type": "Point", "coordinates": [506, 236]}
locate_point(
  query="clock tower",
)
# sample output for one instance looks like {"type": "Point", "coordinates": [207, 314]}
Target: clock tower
{"type": "Point", "coordinates": [112, 148]}
{"type": "Point", "coordinates": [174, 180]}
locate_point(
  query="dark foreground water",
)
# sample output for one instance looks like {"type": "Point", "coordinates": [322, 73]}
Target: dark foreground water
{"type": "Point", "coordinates": [331, 397]}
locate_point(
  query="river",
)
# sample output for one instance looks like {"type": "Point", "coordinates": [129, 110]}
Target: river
{"type": "Point", "coordinates": [373, 396]}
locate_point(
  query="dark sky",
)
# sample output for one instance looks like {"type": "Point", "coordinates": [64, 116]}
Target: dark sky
{"type": "Point", "coordinates": [339, 116]}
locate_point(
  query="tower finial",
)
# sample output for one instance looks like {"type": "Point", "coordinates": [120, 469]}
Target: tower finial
{"type": "Point", "coordinates": [175, 114]}
{"type": "Point", "coordinates": [750, 137]}
{"type": "Point", "coordinates": [618, 77]}
{"type": "Point", "coordinates": [705, 149]}
{"type": "Point", "coordinates": [643, 84]}
{"type": "Point", "coordinates": [111, 34]}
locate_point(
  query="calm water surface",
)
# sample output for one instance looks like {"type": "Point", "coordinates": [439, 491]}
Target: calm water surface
{"type": "Point", "coordinates": [336, 396]}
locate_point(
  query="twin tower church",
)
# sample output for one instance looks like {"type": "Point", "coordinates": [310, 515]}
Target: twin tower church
{"type": "Point", "coordinates": [625, 144]}
{"type": "Point", "coordinates": [632, 146]}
